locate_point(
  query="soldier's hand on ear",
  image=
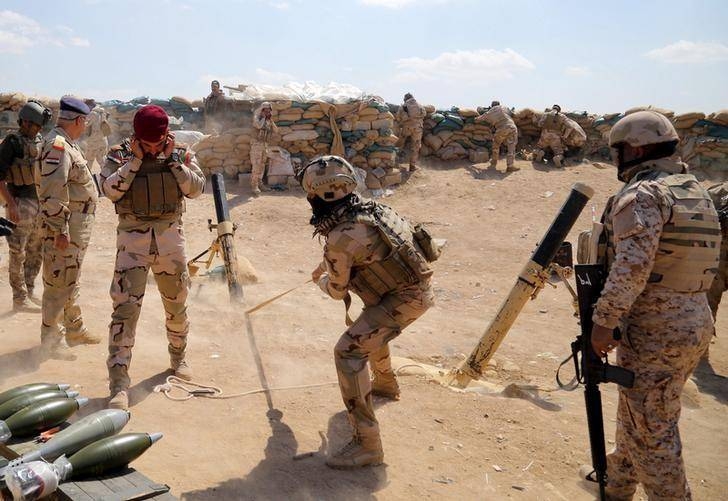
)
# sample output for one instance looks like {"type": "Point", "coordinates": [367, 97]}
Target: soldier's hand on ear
{"type": "Point", "coordinates": [169, 146]}
{"type": "Point", "coordinates": [136, 148]}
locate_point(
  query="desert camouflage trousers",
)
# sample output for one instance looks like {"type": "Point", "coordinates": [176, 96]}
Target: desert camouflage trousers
{"type": "Point", "coordinates": [509, 136]}
{"type": "Point", "coordinates": [24, 249]}
{"type": "Point", "coordinates": [130, 282]}
{"type": "Point", "coordinates": [258, 157]}
{"type": "Point", "coordinates": [367, 340]}
{"type": "Point", "coordinates": [662, 345]}
{"type": "Point", "coordinates": [61, 275]}
{"type": "Point", "coordinates": [415, 142]}
{"type": "Point", "coordinates": [96, 150]}
{"type": "Point", "coordinates": [551, 140]}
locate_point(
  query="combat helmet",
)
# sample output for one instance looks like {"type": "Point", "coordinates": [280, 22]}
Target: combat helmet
{"type": "Point", "coordinates": [641, 129]}
{"type": "Point", "coordinates": [329, 177]}
{"type": "Point", "coordinates": [35, 112]}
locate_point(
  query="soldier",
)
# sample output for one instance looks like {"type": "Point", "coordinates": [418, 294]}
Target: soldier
{"type": "Point", "coordinates": [551, 125]}
{"type": "Point", "coordinates": [215, 106]}
{"type": "Point", "coordinates": [263, 128]}
{"type": "Point", "coordinates": [19, 154]}
{"type": "Point", "coordinates": [149, 235]}
{"type": "Point", "coordinates": [68, 198]}
{"type": "Point", "coordinates": [505, 132]}
{"type": "Point", "coordinates": [662, 251]}
{"type": "Point", "coordinates": [370, 251]}
{"type": "Point", "coordinates": [97, 131]}
{"type": "Point", "coordinates": [411, 116]}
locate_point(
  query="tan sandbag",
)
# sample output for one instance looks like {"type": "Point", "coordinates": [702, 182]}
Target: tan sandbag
{"type": "Point", "coordinates": [313, 114]}
{"type": "Point", "coordinates": [302, 127]}
{"type": "Point", "coordinates": [445, 136]}
{"type": "Point", "coordinates": [720, 117]}
{"type": "Point", "coordinates": [467, 113]}
{"type": "Point", "coordinates": [382, 155]}
{"type": "Point", "coordinates": [453, 151]}
{"type": "Point", "coordinates": [390, 140]}
{"type": "Point", "coordinates": [362, 125]}
{"type": "Point", "coordinates": [385, 114]}
{"type": "Point", "coordinates": [301, 135]}
{"type": "Point", "coordinates": [384, 123]}
{"type": "Point", "coordinates": [663, 111]}
{"type": "Point", "coordinates": [371, 135]}
{"type": "Point", "coordinates": [430, 109]}
{"type": "Point", "coordinates": [434, 142]}
{"type": "Point", "coordinates": [289, 116]}
{"type": "Point", "coordinates": [281, 105]}
{"type": "Point", "coordinates": [368, 113]}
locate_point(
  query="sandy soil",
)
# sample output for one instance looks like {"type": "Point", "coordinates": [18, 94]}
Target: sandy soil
{"type": "Point", "coordinates": [439, 444]}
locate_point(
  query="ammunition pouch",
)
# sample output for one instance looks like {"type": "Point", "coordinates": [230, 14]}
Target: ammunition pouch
{"type": "Point", "coordinates": [22, 170]}
{"type": "Point", "coordinates": [426, 243]}
{"type": "Point", "coordinates": [153, 193]}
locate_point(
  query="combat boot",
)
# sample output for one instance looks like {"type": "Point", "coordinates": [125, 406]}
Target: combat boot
{"type": "Point", "coordinates": [512, 168]}
{"type": "Point", "coordinates": [56, 348]}
{"type": "Point", "coordinates": [385, 386]}
{"type": "Point", "coordinates": [539, 156]}
{"type": "Point", "coordinates": [25, 305]}
{"type": "Point", "coordinates": [119, 387]}
{"type": "Point", "coordinates": [558, 161]}
{"type": "Point", "coordinates": [178, 363]}
{"type": "Point", "coordinates": [74, 338]}
{"type": "Point", "coordinates": [413, 167]}
{"type": "Point", "coordinates": [358, 453]}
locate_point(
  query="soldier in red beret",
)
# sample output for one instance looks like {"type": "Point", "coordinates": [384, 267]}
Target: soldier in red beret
{"type": "Point", "coordinates": [148, 176]}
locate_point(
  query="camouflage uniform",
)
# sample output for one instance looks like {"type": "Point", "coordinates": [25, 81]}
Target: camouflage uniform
{"type": "Point", "coordinates": [505, 132]}
{"type": "Point", "coordinates": [68, 198]}
{"type": "Point", "coordinates": [661, 230]}
{"type": "Point", "coordinates": [149, 235]}
{"type": "Point", "coordinates": [19, 169]}
{"type": "Point", "coordinates": [411, 116]}
{"type": "Point", "coordinates": [572, 133]}
{"type": "Point", "coordinates": [96, 145]}
{"type": "Point", "coordinates": [719, 194]}
{"type": "Point", "coordinates": [551, 124]}
{"type": "Point", "coordinates": [263, 129]}
{"type": "Point", "coordinates": [354, 252]}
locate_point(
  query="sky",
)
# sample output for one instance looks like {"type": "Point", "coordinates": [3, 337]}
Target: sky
{"type": "Point", "coordinates": [598, 56]}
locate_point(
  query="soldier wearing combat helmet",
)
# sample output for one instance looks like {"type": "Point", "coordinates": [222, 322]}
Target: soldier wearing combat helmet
{"type": "Point", "coordinates": [374, 253]}
{"type": "Point", "coordinates": [19, 154]}
{"type": "Point", "coordinates": [662, 242]}
{"type": "Point", "coordinates": [148, 177]}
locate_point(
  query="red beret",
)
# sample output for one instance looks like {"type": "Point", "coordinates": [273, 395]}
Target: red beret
{"type": "Point", "coordinates": [150, 123]}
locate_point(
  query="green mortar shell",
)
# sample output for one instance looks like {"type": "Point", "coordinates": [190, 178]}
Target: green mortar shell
{"type": "Point", "coordinates": [30, 388]}
{"type": "Point", "coordinates": [43, 415]}
{"type": "Point", "coordinates": [22, 401]}
{"type": "Point", "coordinates": [110, 453]}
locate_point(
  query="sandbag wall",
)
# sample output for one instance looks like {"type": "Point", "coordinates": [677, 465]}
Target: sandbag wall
{"type": "Point", "coordinates": [307, 130]}
{"type": "Point", "coordinates": [368, 132]}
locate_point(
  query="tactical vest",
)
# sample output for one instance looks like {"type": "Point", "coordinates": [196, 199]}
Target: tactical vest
{"type": "Point", "coordinates": [404, 265]}
{"type": "Point", "coordinates": [687, 255]}
{"type": "Point", "coordinates": [24, 169]}
{"type": "Point", "coordinates": [414, 110]}
{"type": "Point", "coordinates": [263, 134]}
{"type": "Point", "coordinates": [498, 117]}
{"type": "Point", "coordinates": [550, 122]}
{"type": "Point", "coordinates": [154, 192]}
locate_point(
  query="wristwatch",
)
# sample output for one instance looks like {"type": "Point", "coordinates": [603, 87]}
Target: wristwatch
{"type": "Point", "coordinates": [174, 158]}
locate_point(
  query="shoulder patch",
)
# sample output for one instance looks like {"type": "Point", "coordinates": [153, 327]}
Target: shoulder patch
{"type": "Point", "coordinates": [59, 143]}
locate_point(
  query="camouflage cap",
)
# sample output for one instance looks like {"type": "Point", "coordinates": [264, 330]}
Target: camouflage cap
{"type": "Point", "coordinates": [642, 128]}
{"type": "Point", "coordinates": [329, 177]}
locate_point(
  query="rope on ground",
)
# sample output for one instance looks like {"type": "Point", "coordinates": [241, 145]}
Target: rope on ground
{"type": "Point", "coordinates": [192, 389]}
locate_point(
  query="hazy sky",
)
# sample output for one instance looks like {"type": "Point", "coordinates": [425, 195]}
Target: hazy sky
{"type": "Point", "coordinates": [585, 55]}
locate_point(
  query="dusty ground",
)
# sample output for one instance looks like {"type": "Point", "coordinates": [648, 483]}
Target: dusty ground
{"type": "Point", "coordinates": [439, 444]}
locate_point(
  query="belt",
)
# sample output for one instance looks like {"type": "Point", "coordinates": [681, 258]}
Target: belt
{"type": "Point", "coordinates": [88, 207]}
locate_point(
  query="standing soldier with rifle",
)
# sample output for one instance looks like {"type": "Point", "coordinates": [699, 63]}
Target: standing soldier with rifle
{"type": "Point", "coordinates": [662, 239]}
{"type": "Point", "coordinates": [147, 177]}
{"type": "Point", "coordinates": [19, 154]}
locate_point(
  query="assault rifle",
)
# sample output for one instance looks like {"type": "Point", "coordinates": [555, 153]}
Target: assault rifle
{"type": "Point", "coordinates": [224, 244]}
{"type": "Point", "coordinates": [590, 369]}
